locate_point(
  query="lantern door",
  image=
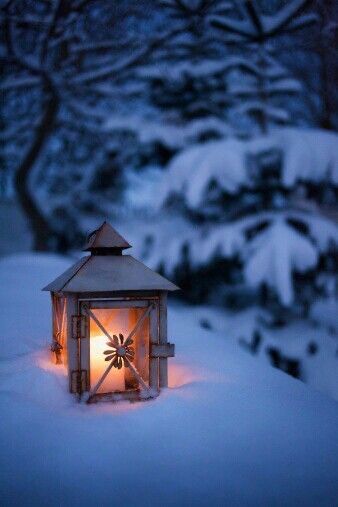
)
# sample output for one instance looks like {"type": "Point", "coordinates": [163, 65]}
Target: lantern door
{"type": "Point", "coordinates": [116, 350]}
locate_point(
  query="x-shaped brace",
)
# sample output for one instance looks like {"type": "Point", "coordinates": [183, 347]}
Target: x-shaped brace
{"type": "Point", "coordinates": [128, 339]}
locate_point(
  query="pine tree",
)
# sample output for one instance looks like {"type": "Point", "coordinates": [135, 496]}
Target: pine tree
{"type": "Point", "coordinates": [242, 222]}
{"type": "Point", "coordinates": [185, 79]}
{"type": "Point", "coordinates": [255, 34]}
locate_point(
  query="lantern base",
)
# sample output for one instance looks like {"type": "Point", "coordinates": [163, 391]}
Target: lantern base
{"type": "Point", "coordinates": [130, 395]}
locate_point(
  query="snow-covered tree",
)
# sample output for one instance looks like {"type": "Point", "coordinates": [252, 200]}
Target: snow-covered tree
{"type": "Point", "coordinates": [261, 90]}
{"type": "Point", "coordinates": [184, 80]}
{"type": "Point", "coordinates": [260, 82]}
{"type": "Point", "coordinates": [314, 62]}
{"type": "Point", "coordinates": [100, 95]}
{"type": "Point", "coordinates": [229, 234]}
{"type": "Point", "coordinates": [195, 87]}
{"type": "Point", "coordinates": [65, 61]}
{"type": "Point", "coordinates": [221, 72]}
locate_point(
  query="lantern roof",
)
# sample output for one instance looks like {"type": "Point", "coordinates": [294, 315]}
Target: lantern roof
{"type": "Point", "coordinates": [108, 271]}
{"type": "Point", "coordinates": [105, 237]}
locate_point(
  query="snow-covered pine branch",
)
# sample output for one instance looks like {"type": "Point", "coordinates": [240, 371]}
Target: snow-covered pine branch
{"type": "Point", "coordinates": [223, 183]}
{"type": "Point", "coordinates": [274, 255]}
{"type": "Point", "coordinates": [256, 26]}
{"type": "Point", "coordinates": [307, 154]}
{"type": "Point", "coordinates": [255, 29]}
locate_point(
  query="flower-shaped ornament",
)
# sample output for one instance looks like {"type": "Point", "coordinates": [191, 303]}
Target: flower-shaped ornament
{"type": "Point", "coordinates": [122, 352]}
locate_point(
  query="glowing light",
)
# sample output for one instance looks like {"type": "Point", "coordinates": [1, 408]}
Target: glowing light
{"type": "Point", "coordinates": [116, 321]}
{"type": "Point", "coordinates": [115, 380]}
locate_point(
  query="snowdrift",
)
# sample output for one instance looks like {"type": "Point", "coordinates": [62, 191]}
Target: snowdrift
{"type": "Point", "coordinates": [227, 432]}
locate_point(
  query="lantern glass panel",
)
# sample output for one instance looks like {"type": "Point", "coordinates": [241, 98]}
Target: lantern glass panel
{"type": "Point", "coordinates": [118, 321]}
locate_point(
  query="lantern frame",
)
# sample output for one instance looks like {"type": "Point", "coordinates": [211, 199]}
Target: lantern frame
{"type": "Point", "coordinates": [159, 349]}
{"type": "Point", "coordinates": [108, 279]}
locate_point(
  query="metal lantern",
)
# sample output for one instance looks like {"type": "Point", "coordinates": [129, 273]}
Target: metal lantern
{"type": "Point", "coordinates": [110, 323]}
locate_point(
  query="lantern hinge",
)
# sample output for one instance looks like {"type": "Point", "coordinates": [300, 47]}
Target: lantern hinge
{"type": "Point", "coordinates": [79, 381]}
{"type": "Point", "coordinates": [79, 326]}
{"type": "Point", "coordinates": [162, 350]}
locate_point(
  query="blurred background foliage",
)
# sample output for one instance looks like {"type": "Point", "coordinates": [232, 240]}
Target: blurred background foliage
{"type": "Point", "coordinates": [204, 129]}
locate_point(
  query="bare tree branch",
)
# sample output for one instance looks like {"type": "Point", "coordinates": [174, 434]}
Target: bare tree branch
{"type": "Point", "coordinates": [16, 83]}
{"type": "Point", "coordinates": [128, 63]}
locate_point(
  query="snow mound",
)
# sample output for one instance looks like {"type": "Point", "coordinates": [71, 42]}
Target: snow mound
{"type": "Point", "coordinates": [228, 431]}
{"type": "Point", "coordinates": [22, 276]}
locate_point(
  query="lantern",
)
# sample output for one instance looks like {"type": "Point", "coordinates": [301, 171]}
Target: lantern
{"type": "Point", "coordinates": [110, 322]}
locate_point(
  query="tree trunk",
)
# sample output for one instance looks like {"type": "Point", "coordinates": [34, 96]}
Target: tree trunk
{"type": "Point", "coordinates": [325, 13]}
{"type": "Point", "coordinates": [40, 228]}
{"type": "Point", "coordinates": [326, 113]}
{"type": "Point", "coordinates": [262, 116]}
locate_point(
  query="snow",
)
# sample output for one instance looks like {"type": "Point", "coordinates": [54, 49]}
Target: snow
{"type": "Point", "coordinates": [209, 67]}
{"type": "Point", "coordinates": [275, 254]}
{"type": "Point", "coordinates": [174, 135]}
{"type": "Point", "coordinates": [274, 113]}
{"type": "Point", "coordinates": [309, 155]}
{"type": "Point", "coordinates": [190, 172]}
{"type": "Point", "coordinates": [21, 82]}
{"type": "Point", "coordinates": [200, 178]}
{"type": "Point", "coordinates": [322, 231]}
{"type": "Point", "coordinates": [111, 70]}
{"type": "Point", "coordinates": [17, 273]}
{"type": "Point", "coordinates": [197, 69]}
{"type": "Point", "coordinates": [209, 240]}
{"type": "Point", "coordinates": [228, 431]}
{"type": "Point", "coordinates": [249, 90]}
{"type": "Point", "coordinates": [14, 231]}
{"type": "Point", "coordinates": [224, 241]}
{"type": "Point", "coordinates": [242, 28]}
{"type": "Point", "coordinates": [285, 17]}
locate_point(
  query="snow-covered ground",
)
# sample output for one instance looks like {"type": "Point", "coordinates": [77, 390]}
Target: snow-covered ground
{"type": "Point", "coordinates": [230, 430]}
{"type": "Point", "coordinates": [14, 232]}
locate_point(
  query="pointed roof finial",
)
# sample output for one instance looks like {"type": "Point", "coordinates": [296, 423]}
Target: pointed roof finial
{"type": "Point", "coordinates": [105, 240]}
